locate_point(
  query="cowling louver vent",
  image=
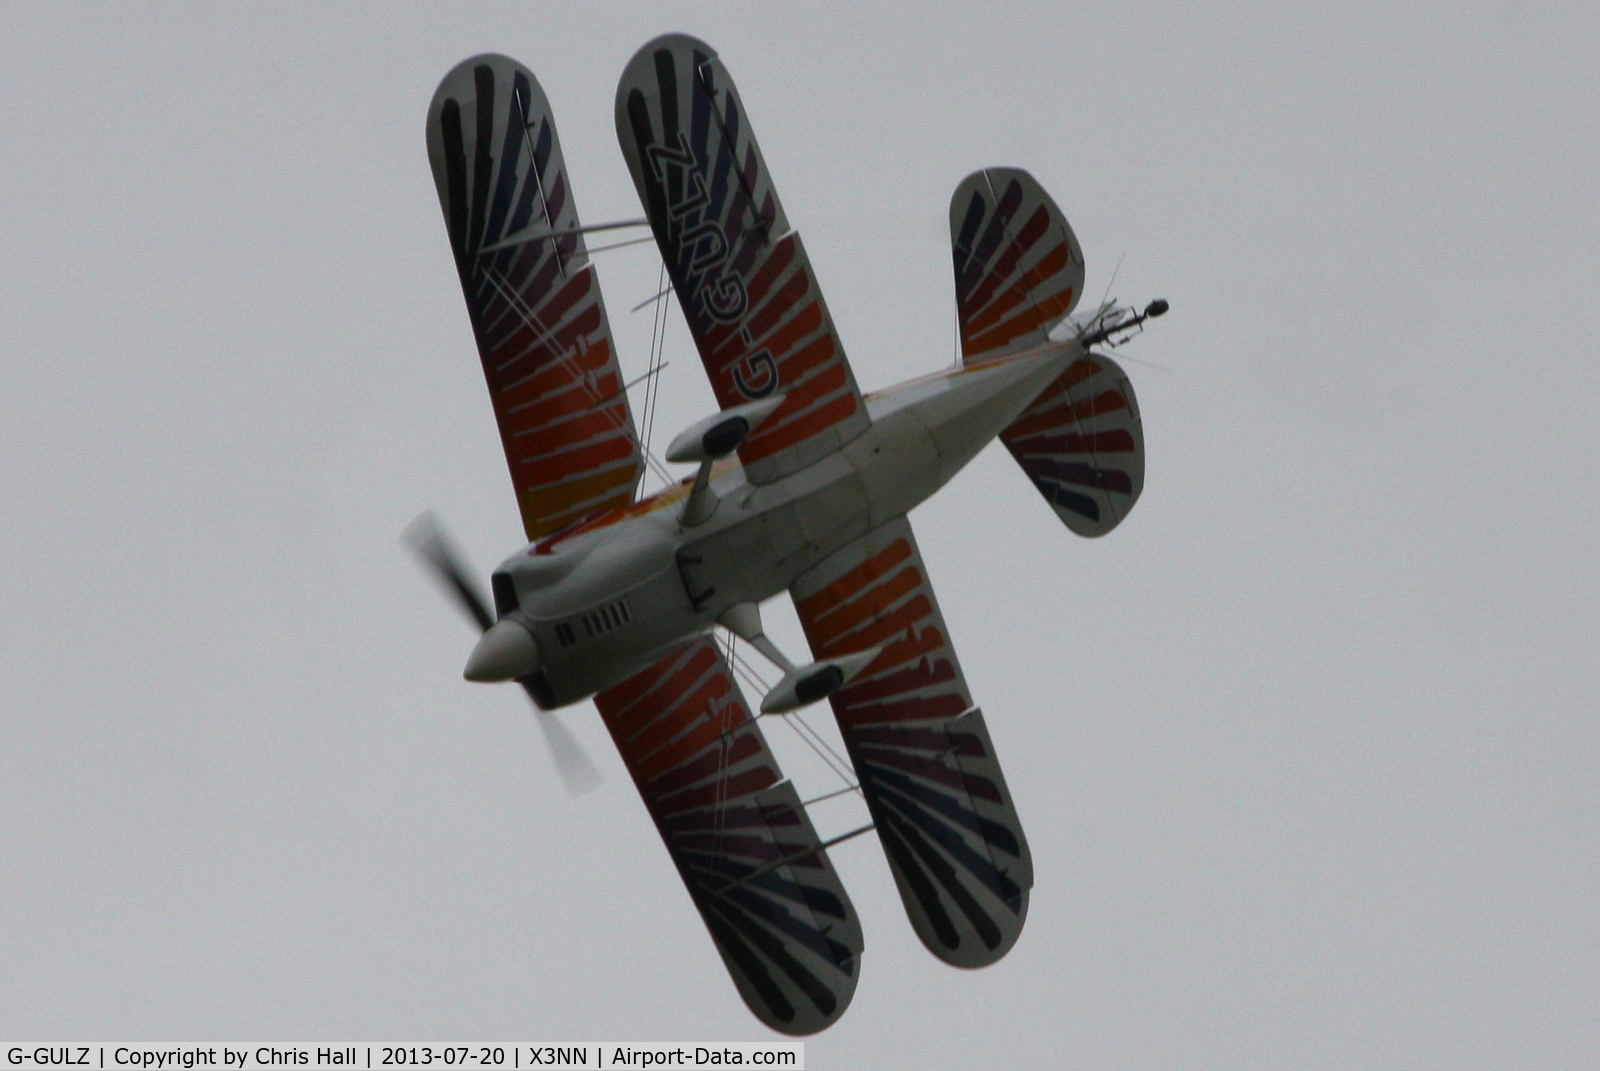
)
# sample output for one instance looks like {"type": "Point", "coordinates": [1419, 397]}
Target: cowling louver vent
{"type": "Point", "coordinates": [594, 623]}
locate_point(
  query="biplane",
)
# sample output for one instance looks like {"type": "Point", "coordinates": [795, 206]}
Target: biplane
{"type": "Point", "coordinates": [801, 484]}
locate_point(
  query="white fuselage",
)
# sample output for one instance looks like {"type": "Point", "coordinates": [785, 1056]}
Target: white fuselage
{"type": "Point", "coordinates": [604, 601]}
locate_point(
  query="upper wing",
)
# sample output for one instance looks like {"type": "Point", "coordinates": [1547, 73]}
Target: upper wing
{"type": "Point", "coordinates": [740, 273]}
{"type": "Point", "coordinates": [1082, 444]}
{"type": "Point", "coordinates": [921, 749]}
{"type": "Point", "coordinates": [1019, 269]}
{"type": "Point", "coordinates": [533, 298]}
{"type": "Point", "coordinates": [739, 837]}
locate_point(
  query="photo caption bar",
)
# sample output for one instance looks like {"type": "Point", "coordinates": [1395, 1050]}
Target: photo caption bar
{"type": "Point", "coordinates": [497, 1056]}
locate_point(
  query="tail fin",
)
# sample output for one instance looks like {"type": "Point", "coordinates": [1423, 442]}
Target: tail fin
{"type": "Point", "coordinates": [1082, 445]}
{"type": "Point", "coordinates": [1019, 269]}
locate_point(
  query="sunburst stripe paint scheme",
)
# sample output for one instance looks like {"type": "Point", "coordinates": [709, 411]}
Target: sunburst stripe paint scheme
{"type": "Point", "coordinates": [1082, 444]}
{"type": "Point", "coordinates": [739, 837]}
{"type": "Point", "coordinates": [741, 275]}
{"type": "Point", "coordinates": [535, 306]}
{"type": "Point", "coordinates": [1019, 273]}
{"type": "Point", "coordinates": [1018, 266]}
{"type": "Point", "coordinates": [921, 749]}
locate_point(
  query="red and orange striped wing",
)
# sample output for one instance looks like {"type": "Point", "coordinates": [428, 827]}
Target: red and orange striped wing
{"type": "Point", "coordinates": [921, 749]}
{"type": "Point", "coordinates": [739, 837]}
{"type": "Point", "coordinates": [532, 295]}
{"type": "Point", "coordinates": [1019, 269]}
{"type": "Point", "coordinates": [741, 275]}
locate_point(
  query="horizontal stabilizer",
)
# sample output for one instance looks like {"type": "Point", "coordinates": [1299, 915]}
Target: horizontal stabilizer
{"type": "Point", "coordinates": [1082, 445]}
{"type": "Point", "coordinates": [1019, 269]}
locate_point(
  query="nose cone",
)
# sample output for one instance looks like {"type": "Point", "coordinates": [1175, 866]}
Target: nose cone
{"type": "Point", "coordinates": [505, 653]}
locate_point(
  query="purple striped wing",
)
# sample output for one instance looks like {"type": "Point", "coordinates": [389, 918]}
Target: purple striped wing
{"type": "Point", "coordinates": [739, 837]}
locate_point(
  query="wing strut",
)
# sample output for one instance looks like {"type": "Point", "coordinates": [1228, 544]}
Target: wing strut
{"type": "Point", "coordinates": [549, 233]}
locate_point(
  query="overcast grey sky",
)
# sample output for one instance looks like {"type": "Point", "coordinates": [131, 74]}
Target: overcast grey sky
{"type": "Point", "coordinates": [1305, 750]}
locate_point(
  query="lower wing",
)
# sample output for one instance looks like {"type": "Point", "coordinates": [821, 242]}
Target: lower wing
{"type": "Point", "coordinates": [739, 837]}
{"type": "Point", "coordinates": [921, 749]}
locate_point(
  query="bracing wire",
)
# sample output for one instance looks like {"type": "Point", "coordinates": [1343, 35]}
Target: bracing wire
{"type": "Point", "coordinates": [647, 409]}
{"type": "Point", "coordinates": [1113, 280]}
{"type": "Point", "coordinates": [724, 753]}
{"type": "Point", "coordinates": [621, 245]}
{"type": "Point", "coordinates": [802, 728]}
{"type": "Point", "coordinates": [1140, 360]}
{"type": "Point", "coordinates": [649, 395]}
{"type": "Point", "coordinates": [828, 755]}
{"type": "Point", "coordinates": [652, 299]}
{"type": "Point", "coordinates": [658, 320]}
{"type": "Point", "coordinates": [955, 337]}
